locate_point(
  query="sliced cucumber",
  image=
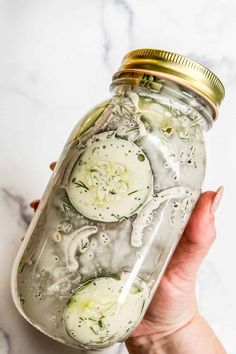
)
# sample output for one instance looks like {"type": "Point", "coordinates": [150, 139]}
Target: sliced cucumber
{"type": "Point", "coordinates": [105, 309]}
{"type": "Point", "coordinates": [111, 179]}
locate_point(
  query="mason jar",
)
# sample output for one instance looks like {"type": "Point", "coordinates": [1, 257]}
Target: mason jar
{"type": "Point", "coordinates": [118, 201]}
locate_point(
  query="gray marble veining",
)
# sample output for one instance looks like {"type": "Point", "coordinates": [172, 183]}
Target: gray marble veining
{"type": "Point", "coordinates": [23, 207]}
{"type": "Point", "coordinates": [4, 343]}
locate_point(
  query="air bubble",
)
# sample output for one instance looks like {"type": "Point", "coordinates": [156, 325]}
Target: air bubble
{"type": "Point", "coordinates": [57, 237]}
{"type": "Point", "coordinates": [93, 244]}
{"type": "Point", "coordinates": [84, 270]}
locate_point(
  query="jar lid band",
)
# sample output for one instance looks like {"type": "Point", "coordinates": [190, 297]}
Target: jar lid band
{"type": "Point", "coordinates": [186, 71]}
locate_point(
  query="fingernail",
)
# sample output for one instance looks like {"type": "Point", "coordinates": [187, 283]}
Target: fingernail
{"type": "Point", "coordinates": [52, 165]}
{"type": "Point", "coordinates": [216, 201]}
{"type": "Point", "coordinates": [34, 204]}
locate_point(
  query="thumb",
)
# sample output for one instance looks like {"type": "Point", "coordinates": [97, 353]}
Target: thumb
{"type": "Point", "coordinates": [197, 238]}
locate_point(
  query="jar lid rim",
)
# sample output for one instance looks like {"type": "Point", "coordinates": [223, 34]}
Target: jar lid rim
{"type": "Point", "coordinates": [188, 72]}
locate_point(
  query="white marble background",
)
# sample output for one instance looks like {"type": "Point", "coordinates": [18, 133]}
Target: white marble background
{"type": "Point", "coordinates": [56, 61]}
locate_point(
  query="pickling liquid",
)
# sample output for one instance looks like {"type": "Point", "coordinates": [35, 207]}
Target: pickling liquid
{"type": "Point", "coordinates": [114, 210]}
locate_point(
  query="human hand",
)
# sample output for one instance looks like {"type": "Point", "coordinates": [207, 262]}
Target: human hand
{"type": "Point", "coordinates": [172, 323]}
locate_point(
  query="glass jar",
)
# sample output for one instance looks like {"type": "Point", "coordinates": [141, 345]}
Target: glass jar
{"type": "Point", "coordinates": [117, 203]}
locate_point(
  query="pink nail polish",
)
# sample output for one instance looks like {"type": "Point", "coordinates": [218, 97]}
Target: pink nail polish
{"type": "Point", "coordinates": [217, 199]}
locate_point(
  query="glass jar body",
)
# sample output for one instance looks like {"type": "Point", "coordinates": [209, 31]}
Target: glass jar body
{"type": "Point", "coordinates": [112, 214]}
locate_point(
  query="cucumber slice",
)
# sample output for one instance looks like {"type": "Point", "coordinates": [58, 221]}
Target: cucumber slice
{"type": "Point", "coordinates": [112, 179]}
{"type": "Point", "coordinates": [104, 310]}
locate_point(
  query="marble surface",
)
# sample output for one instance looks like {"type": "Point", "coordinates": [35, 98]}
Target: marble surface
{"type": "Point", "coordinates": [56, 61]}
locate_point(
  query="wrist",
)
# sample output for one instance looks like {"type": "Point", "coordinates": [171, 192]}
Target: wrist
{"type": "Point", "coordinates": [193, 338]}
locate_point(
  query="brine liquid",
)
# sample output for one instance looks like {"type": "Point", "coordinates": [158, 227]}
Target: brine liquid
{"type": "Point", "coordinates": [117, 204]}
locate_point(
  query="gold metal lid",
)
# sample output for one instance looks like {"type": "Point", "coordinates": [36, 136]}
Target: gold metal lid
{"type": "Point", "coordinates": [176, 67]}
